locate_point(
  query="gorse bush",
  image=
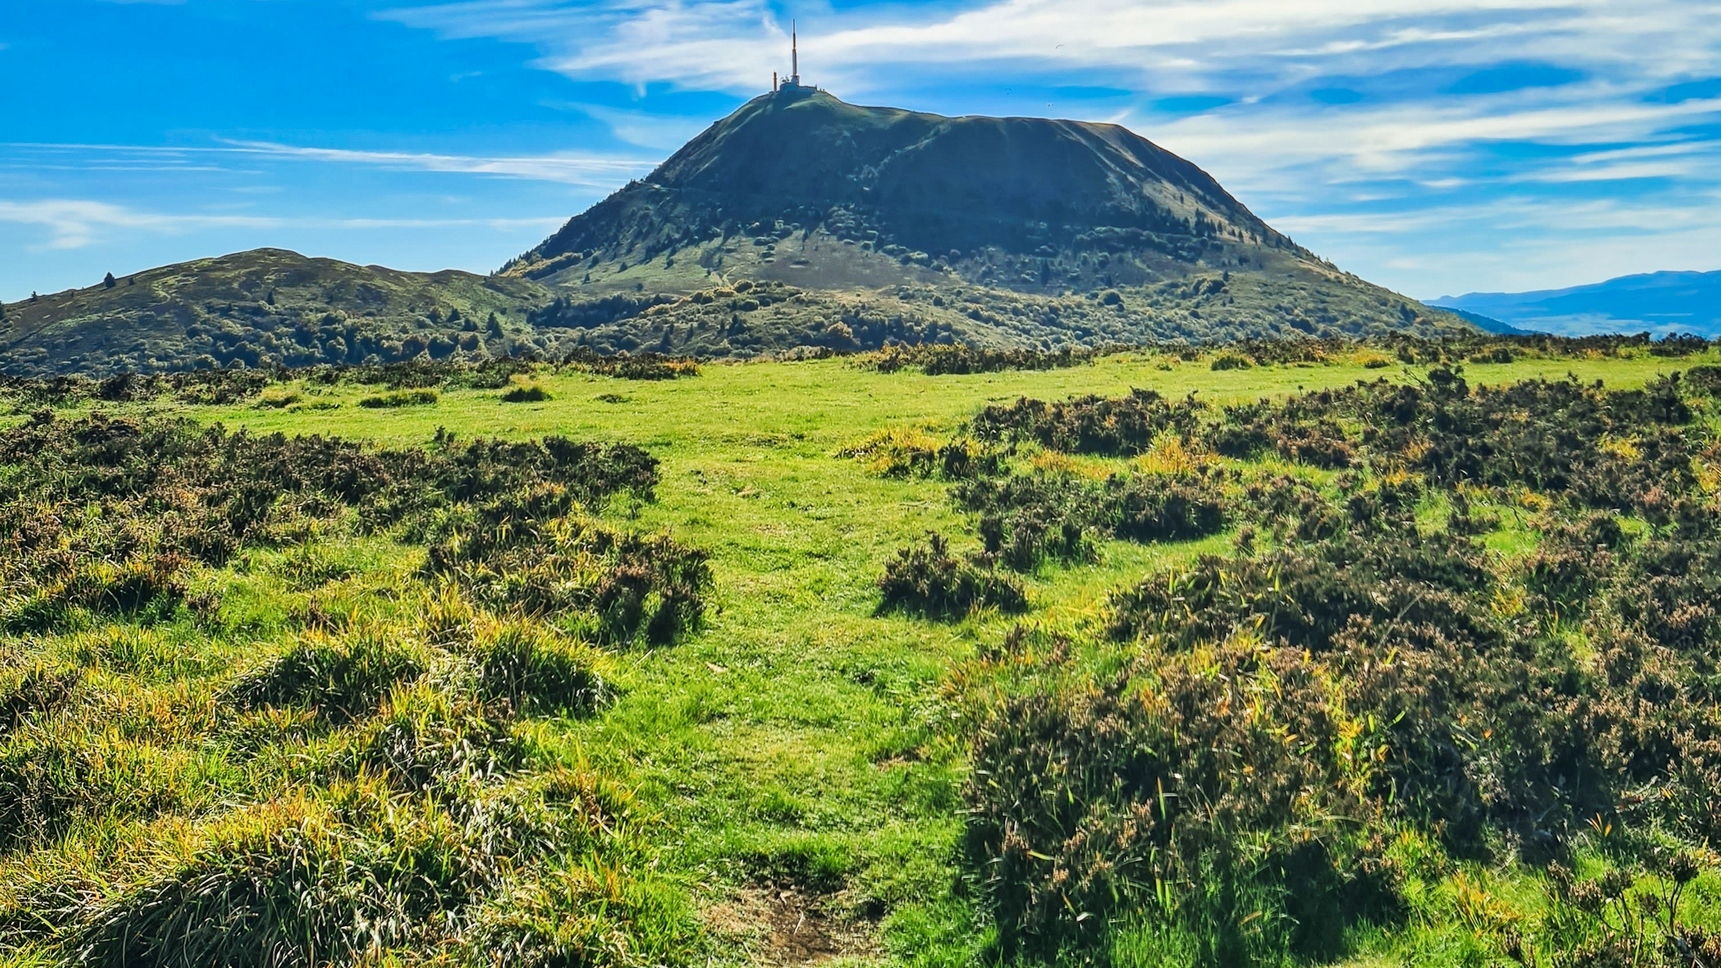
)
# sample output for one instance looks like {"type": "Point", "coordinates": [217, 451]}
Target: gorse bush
{"type": "Point", "coordinates": [642, 366]}
{"type": "Point", "coordinates": [362, 792]}
{"type": "Point", "coordinates": [404, 378]}
{"type": "Point", "coordinates": [929, 580]}
{"type": "Point", "coordinates": [526, 394]}
{"type": "Point", "coordinates": [1222, 782]}
{"type": "Point", "coordinates": [1212, 789]}
{"type": "Point", "coordinates": [908, 452]}
{"type": "Point", "coordinates": [1028, 519]}
{"type": "Point", "coordinates": [936, 359]}
{"type": "Point", "coordinates": [1090, 425]}
{"type": "Point", "coordinates": [537, 553]}
{"type": "Point", "coordinates": [175, 488]}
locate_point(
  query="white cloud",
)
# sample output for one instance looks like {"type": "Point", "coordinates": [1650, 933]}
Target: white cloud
{"type": "Point", "coordinates": [643, 128]}
{"type": "Point", "coordinates": [573, 169]}
{"type": "Point", "coordinates": [1255, 51]}
{"type": "Point", "coordinates": [731, 44]}
{"type": "Point", "coordinates": [73, 224]}
{"type": "Point", "coordinates": [77, 223]}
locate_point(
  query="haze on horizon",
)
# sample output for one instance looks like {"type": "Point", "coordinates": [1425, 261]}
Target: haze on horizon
{"type": "Point", "coordinates": [1435, 148]}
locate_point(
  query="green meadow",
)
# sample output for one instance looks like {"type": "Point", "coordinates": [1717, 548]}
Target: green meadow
{"type": "Point", "coordinates": [784, 781]}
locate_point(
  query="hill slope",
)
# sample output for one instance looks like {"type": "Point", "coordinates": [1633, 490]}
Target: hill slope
{"type": "Point", "coordinates": [260, 308]}
{"type": "Point", "coordinates": [1660, 302]}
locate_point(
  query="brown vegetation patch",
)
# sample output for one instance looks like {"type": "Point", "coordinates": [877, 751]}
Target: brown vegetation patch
{"type": "Point", "coordinates": [788, 925]}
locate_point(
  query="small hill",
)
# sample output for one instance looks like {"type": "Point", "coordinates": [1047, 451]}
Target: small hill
{"type": "Point", "coordinates": [1662, 303]}
{"type": "Point", "coordinates": [261, 308]}
{"type": "Point", "coordinates": [870, 205]}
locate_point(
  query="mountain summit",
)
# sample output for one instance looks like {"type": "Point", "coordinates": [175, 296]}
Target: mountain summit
{"type": "Point", "coordinates": [972, 193]}
{"type": "Point", "coordinates": [1002, 231]}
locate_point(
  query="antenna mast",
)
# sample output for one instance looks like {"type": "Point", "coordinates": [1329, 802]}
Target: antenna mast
{"type": "Point", "coordinates": [794, 56]}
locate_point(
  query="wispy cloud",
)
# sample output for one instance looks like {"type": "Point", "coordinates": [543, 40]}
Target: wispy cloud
{"type": "Point", "coordinates": [77, 223]}
{"type": "Point", "coordinates": [570, 168]}
{"type": "Point", "coordinates": [729, 44]}
{"type": "Point", "coordinates": [73, 223]}
{"type": "Point", "coordinates": [663, 132]}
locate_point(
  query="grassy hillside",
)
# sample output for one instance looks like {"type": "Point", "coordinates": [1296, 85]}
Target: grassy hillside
{"type": "Point", "coordinates": [266, 307]}
{"type": "Point", "coordinates": [414, 698]}
{"type": "Point", "coordinates": [750, 310]}
{"type": "Point", "coordinates": [730, 299]}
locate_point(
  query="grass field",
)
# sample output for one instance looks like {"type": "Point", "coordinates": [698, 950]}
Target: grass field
{"type": "Point", "coordinates": [797, 763]}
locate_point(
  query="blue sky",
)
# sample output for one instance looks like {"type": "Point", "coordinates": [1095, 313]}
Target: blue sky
{"type": "Point", "coordinates": [1434, 146]}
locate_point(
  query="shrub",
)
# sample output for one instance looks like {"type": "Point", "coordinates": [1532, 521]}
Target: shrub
{"type": "Point", "coordinates": [1090, 425]}
{"type": "Point", "coordinates": [644, 366]}
{"type": "Point", "coordinates": [342, 678]}
{"type": "Point", "coordinates": [935, 359]}
{"type": "Point", "coordinates": [526, 394]}
{"type": "Point", "coordinates": [1170, 791]}
{"type": "Point", "coordinates": [1679, 344]}
{"type": "Point", "coordinates": [1027, 519]}
{"type": "Point", "coordinates": [404, 398]}
{"type": "Point", "coordinates": [528, 666]}
{"type": "Point", "coordinates": [527, 552]}
{"type": "Point", "coordinates": [927, 580]}
{"type": "Point", "coordinates": [907, 452]}
{"type": "Point", "coordinates": [171, 489]}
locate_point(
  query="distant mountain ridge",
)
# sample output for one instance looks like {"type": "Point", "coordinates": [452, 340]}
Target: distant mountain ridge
{"type": "Point", "coordinates": [1662, 303]}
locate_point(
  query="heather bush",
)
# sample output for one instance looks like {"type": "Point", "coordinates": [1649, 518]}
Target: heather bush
{"type": "Point", "coordinates": [929, 580]}
{"type": "Point", "coordinates": [1220, 782]}
{"type": "Point", "coordinates": [937, 359]}
{"type": "Point", "coordinates": [535, 552]}
{"type": "Point", "coordinates": [1025, 520]}
{"type": "Point", "coordinates": [1090, 425]}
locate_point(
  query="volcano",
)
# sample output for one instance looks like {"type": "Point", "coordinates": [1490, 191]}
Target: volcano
{"type": "Point", "coordinates": [1021, 226]}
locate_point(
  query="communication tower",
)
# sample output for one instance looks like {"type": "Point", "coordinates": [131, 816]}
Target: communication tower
{"type": "Point", "coordinates": [791, 86]}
